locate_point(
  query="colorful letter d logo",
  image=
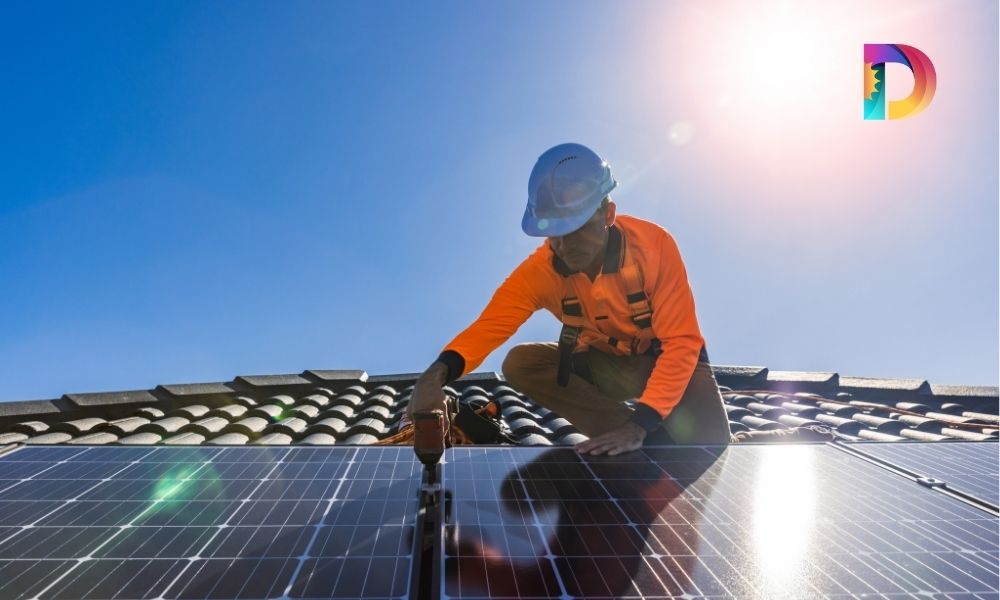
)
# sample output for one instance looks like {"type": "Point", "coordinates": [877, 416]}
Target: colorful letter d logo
{"type": "Point", "coordinates": [924, 80]}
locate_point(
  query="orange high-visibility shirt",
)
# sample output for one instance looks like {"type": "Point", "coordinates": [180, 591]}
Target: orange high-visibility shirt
{"type": "Point", "coordinates": [538, 283]}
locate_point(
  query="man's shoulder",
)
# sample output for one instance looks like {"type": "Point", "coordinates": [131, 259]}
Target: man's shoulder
{"type": "Point", "coordinates": [647, 231]}
{"type": "Point", "coordinates": [539, 261]}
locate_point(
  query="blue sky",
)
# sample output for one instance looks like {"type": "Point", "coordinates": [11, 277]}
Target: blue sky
{"type": "Point", "coordinates": [195, 191]}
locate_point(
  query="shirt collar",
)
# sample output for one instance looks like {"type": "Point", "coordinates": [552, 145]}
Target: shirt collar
{"type": "Point", "coordinates": [612, 255]}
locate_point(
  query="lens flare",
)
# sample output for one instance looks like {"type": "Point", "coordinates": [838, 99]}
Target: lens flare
{"type": "Point", "coordinates": [180, 484]}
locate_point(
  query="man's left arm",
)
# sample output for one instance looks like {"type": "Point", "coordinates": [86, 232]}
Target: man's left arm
{"type": "Point", "coordinates": [676, 326]}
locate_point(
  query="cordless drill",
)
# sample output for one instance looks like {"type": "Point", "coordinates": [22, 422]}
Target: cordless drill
{"type": "Point", "coordinates": [428, 438]}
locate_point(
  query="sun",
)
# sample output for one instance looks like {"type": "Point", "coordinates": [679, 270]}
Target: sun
{"type": "Point", "coordinates": [871, 81]}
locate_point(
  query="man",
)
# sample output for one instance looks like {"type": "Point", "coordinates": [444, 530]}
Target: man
{"type": "Point", "coordinates": [630, 331]}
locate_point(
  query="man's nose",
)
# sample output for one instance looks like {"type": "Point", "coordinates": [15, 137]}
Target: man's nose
{"type": "Point", "coordinates": [556, 242]}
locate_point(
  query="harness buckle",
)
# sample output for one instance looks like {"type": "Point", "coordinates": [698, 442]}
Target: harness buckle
{"type": "Point", "coordinates": [568, 336]}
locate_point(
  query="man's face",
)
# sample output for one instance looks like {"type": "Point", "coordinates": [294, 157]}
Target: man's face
{"type": "Point", "coordinates": [581, 248]}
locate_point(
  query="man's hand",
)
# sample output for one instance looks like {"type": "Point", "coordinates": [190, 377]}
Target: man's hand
{"type": "Point", "coordinates": [623, 438]}
{"type": "Point", "coordinates": [427, 393]}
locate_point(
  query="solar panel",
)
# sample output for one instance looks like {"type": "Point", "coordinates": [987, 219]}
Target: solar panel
{"type": "Point", "coordinates": [969, 467]}
{"type": "Point", "coordinates": [747, 521]}
{"type": "Point", "coordinates": [161, 522]}
{"type": "Point", "coordinates": [795, 521]}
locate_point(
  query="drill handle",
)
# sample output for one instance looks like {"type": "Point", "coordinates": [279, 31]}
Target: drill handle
{"type": "Point", "coordinates": [429, 435]}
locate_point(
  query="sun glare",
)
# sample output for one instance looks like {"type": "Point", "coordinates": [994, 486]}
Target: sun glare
{"type": "Point", "coordinates": [775, 58]}
{"type": "Point", "coordinates": [784, 507]}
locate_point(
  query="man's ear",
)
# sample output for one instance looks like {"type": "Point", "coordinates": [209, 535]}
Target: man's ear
{"type": "Point", "coordinates": [609, 217]}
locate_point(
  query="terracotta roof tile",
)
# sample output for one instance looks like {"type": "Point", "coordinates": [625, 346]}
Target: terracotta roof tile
{"type": "Point", "coordinates": [12, 438]}
{"type": "Point", "coordinates": [231, 438]}
{"type": "Point", "coordinates": [142, 438]}
{"type": "Point", "coordinates": [274, 439]}
{"type": "Point", "coordinates": [126, 425]}
{"type": "Point", "coordinates": [185, 438]}
{"type": "Point", "coordinates": [319, 438]}
{"type": "Point", "coordinates": [349, 407]}
{"type": "Point", "coordinates": [112, 398]}
{"type": "Point", "coordinates": [164, 426]}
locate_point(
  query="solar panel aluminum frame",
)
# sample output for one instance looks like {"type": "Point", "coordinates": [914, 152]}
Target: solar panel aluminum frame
{"type": "Point", "coordinates": [425, 577]}
{"type": "Point", "coordinates": [856, 449]}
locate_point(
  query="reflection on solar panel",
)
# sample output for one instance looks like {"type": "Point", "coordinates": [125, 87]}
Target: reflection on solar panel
{"type": "Point", "coordinates": [747, 522]}
{"type": "Point", "coordinates": [970, 467]}
{"type": "Point", "coordinates": [131, 522]}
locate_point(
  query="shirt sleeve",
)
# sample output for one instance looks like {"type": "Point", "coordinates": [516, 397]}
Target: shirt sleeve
{"type": "Point", "coordinates": [676, 325]}
{"type": "Point", "coordinates": [517, 298]}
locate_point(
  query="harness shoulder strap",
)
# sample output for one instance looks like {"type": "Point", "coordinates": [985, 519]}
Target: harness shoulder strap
{"type": "Point", "coordinates": [640, 312]}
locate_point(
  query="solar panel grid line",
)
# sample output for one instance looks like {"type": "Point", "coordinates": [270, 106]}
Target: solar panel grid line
{"type": "Point", "coordinates": [490, 466]}
{"type": "Point", "coordinates": [924, 560]}
{"type": "Point", "coordinates": [316, 529]}
{"type": "Point", "coordinates": [925, 575]}
{"type": "Point", "coordinates": [376, 559]}
{"type": "Point", "coordinates": [201, 563]}
{"type": "Point", "coordinates": [860, 545]}
{"type": "Point", "coordinates": [391, 541]}
{"type": "Point", "coordinates": [107, 541]}
{"type": "Point", "coordinates": [711, 571]}
{"type": "Point", "coordinates": [59, 505]}
{"type": "Point", "coordinates": [885, 533]}
{"type": "Point", "coordinates": [966, 468]}
{"type": "Point", "coordinates": [549, 555]}
{"type": "Point", "coordinates": [732, 548]}
{"type": "Point", "coordinates": [715, 583]}
{"type": "Point", "coordinates": [680, 535]}
{"type": "Point", "coordinates": [12, 477]}
{"type": "Point", "coordinates": [909, 468]}
{"type": "Point", "coordinates": [301, 559]}
{"type": "Point", "coordinates": [869, 523]}
{"type": "Point", "coordinates": [916, 512]}
{"type": "Point", "coordinates": [83, 560]}
{"type": "Point", "coordinates": [855, 578]}
{"type": "Point", "coordinates": [22, 480]}
{"type": "Point", "coordinates": [851, 553]}
{"type": "Point", "coordinates": [888, 539]}
{"type": "Point", "coordinates": [951, 537]}
{"type": "Point", "coordinates": [727, 554]}
{"type": "Point", "coordinates": [679, 528]}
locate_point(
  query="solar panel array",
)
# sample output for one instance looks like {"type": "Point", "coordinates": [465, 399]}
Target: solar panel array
{"type": "Point", "coordinates": [969, 467]}
{"type": "Point", "coordinates": [108, 522]}
{"type": "Point", "coordinates": [747, 522]}
{"type": "Point", "coordinates": [342, 522]}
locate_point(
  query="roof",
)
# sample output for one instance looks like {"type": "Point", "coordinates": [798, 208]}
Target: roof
{"type": "Point", "coordinates": [282, 495]}
{"type": "Point", "coordinates": [351, 407]}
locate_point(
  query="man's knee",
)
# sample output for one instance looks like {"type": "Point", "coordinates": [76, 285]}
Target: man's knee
{"type": "Point", "coordinates": [524, 362]}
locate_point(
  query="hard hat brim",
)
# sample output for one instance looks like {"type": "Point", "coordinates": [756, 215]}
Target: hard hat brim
{"type": "Point", "coordinates": [542, 227]}
{"type": "Point", "coordinates": [556, 226]}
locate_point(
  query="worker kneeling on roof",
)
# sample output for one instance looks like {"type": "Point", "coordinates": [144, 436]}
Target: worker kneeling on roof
{"type": "Point", "coordinates": [630, 365]}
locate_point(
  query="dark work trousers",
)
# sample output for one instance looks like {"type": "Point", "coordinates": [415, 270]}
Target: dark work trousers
{"type": "Point", "coordinates": [594, 400]}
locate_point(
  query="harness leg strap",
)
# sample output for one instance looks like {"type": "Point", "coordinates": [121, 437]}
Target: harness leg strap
{"type": "Point", "coordinates": [567, 343]}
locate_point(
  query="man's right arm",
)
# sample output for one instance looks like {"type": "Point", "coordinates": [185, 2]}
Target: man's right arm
{"type": "Point", "coordinates": [511, 305]}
